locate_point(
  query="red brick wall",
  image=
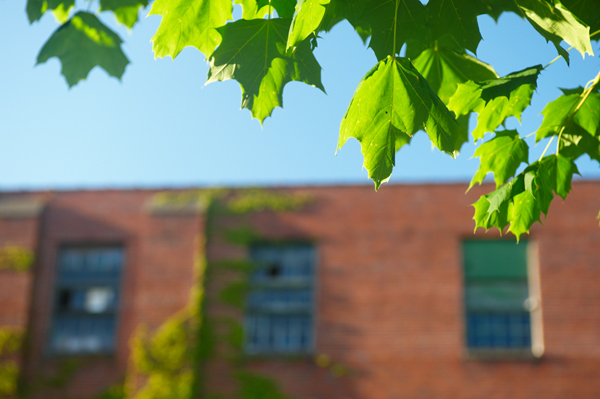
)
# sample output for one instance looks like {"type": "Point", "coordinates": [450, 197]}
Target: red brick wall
{"type": "Point", "coordinates": [156, 280]}
{"type": "Point", "coordinates": [389, 290]}
{"type": "Point", "coordinates": [15, 286]}
{"type": "Point", "coordinates": [390, 296]}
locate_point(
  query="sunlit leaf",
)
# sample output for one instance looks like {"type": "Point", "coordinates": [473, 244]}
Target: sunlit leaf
{"type": "Point", "coordinates": [250, 9]}
{"type": "Point", "coordinates": [502, 156]}
{"type": "Point", "coordinates": [126, 11]}
{"type": "Point", "coordinates": [560, 171]}
{"type": "Point", "coordinates": [393, 100]}
{"type": "Point", "coordinates": [308, 17]}
{"type": "Point", "coordinates": [556, 23]}
{"type": "Point", "coordinates": [253, 52]}
{"type": "Point", "coordinates": [562, 112]}
{"type": "Point", "coordinates": [189, 23]}
{"type": "Point", "coordinates": [495, 100]}
{"type": "Point", "coordinates": [444, 68]}
{"type": "Point", "coordinates": [523, 213]}
{"type": "Point", "coordinates": [587, 11]}
{"type": "Point", "coordinates": [60, 8]}
{"type": "Point", "coordinates": [284, 8]}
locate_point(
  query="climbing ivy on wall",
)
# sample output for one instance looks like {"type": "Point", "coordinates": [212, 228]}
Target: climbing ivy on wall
{"type": "Point", "coordinates": [10, 345]}
{"type": "Point", "coordinates": [16, 258]}
{"type": "Point", "coordinates": [169, 363]}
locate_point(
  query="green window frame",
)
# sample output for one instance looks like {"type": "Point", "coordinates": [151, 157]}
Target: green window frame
{"type": "Point", "coordinates": [498, 297]}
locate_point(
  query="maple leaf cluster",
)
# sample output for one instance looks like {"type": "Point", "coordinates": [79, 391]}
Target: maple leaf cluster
{"type": "Point", "coordinates": [434, 87]}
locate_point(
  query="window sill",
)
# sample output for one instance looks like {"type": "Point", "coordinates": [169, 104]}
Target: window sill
{"type": "Point", "coordinates": [500, 354]}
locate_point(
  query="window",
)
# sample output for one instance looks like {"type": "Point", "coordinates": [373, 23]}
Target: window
{"type": "Point", "coordinates": [279, 307]}
{"type": "Point", "coordinates": [86, 300]}
{"type": "Point", "coordinates": [498, 298]}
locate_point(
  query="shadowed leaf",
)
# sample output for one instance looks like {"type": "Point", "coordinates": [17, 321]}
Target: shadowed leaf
{"type": "Point", "coordinates": [82, 43]}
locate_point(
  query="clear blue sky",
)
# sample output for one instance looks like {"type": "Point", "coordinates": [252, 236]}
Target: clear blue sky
{"type": "Point", "coordinates": [160, 127]}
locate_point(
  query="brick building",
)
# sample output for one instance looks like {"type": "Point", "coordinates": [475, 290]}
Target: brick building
{"type": "Point", "coordinates": [305, 292]}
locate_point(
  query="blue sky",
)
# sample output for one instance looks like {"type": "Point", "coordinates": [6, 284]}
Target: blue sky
{"type": "Point", "coordinates": [159, 126]}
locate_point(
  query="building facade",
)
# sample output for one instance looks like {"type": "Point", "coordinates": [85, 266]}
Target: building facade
{"type": "Point", "coordinates": [303, 292]}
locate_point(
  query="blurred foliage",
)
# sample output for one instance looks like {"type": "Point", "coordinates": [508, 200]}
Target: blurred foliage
{"type": "Point", "coordinates": [10, 345]}
{"type": "Point", "coordinates": [169, 362]}
{"type": "Point", "coordinates": [256, 200]}
{"type": "Point", "coordinates": [14, 257]}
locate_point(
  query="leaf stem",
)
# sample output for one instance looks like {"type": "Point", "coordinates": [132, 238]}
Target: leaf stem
{"type": "Point", "coordinates": [584, 96]}
{"type": "Point", "coordinates": [569, 49]}
{"type": "Point", "coordinates": [547, 146]}
{"type": "Point", "coordinates": [529, 135]}
{"type": "Point", "coordinates": [587, 92]}
{"type": "Point", "coordinates": [395, 24]}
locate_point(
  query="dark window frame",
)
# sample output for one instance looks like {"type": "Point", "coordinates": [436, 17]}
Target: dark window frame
{"type": "Point", "coordinates": [77, 285]}
{"type": "Point", "coordinates": [270, 284]}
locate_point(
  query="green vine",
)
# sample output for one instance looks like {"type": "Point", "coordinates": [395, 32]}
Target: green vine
{"type": "Point", "coordinates": [10, 344]}
{"type": "Point", "coordinates": [16, 258]}
{"type": "Point", "coordinates": [256, 200]}
{"type": "Point", "coordinates": [169, 363]}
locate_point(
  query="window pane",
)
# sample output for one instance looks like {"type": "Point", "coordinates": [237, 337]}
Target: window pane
{"type": "Point", "coordinates": [278, 333]}
{"type": "Point", "coordinates": [83, 334]}
{"type": "Point", "coordinates": [280, 301]}
{"type": "Point", "coordinates": [495, 259]}
{"type": "Point", "coordinates": [508, 330]}
{"type": "Point", "coordinates": [282, 263]}
{"type": "Point", "coordinates": [90, 263]}
{"type": "Point", "coordinates": [496, 291]}
{"type": "Point", "coordinates": [496, 296]}
{"type": "Point", "coordinates": [86, 299]}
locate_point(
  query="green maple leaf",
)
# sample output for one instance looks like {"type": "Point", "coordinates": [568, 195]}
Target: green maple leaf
{"type": "Point", "coordinates": [189, 23]}
{"type": "Point", "coordinates": [457, 18]}
{"type": "Point", "coordinates": [520, 201]}
{"type": "Point", "coordinates": [502, 156]}
{"type": "Point", "coordinates": [444, 68]}
{"type": "Point", "coordinates": [126, 11]}
{"type": "Point", "coordinates": [250, 9]}
{"type": "Point", "coordinates": [60, 8]}
{"type": "Point", "coordinates": [587, 11]}
{"type": "Point", "coordinates": [556, 23]}
{"type": "Point", "coordinates": [253, 52]}
{"type": "Point", "coordinates": [559, 171]}
{"type": "Point", "coordinates": [578, 142]}
{"type": "Point", "coordinates": [393, 23]}
{"type": "Point", "coordinates": [523, 213]}
{"type": "Point", "coordinates": [350, 10]}
{"type": "Point", "coordinates": [538, 181]}
{"type": "Point", "coordinates": [284, 8]}
{"type": "Point", "coordinates": [496, 7]}
{"type": "Point", "coordinates": [82, 43]}
{"type": "Point", "coordinates": [392, 102]}
{"type": "Point", "coordinates": [307, 19]}
{"type": "Point", "coordinates": [514, 203]}
{"type": "Point", "coordinates": [493, 213]}
{"type": "Point", "coordinates": [484, 218]}
{"type": "Point", "coordinates": [560, 114]}
{"type": "Point", "coordinates": [495, 100]}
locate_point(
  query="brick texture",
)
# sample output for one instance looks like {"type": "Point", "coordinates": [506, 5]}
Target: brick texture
{"type": "Point", "coordinates": [389, 289]}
